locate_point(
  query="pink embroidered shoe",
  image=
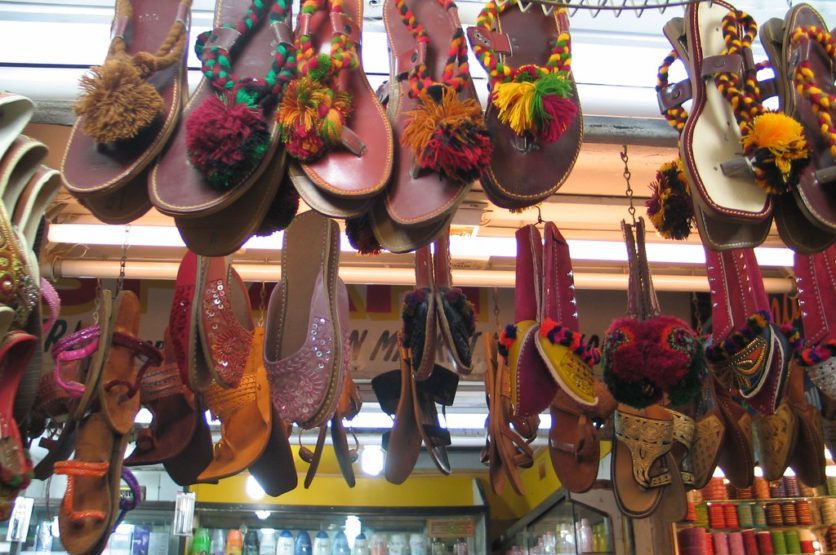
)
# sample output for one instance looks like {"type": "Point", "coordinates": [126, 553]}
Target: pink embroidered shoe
{"type": "Point", "coordinates": [304, 362]}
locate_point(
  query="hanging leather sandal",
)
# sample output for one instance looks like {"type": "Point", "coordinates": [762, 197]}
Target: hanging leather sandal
{"type": "Point", "coordinates": [129, 109]}
{"type": "Point", "coordinates": [534, 115]}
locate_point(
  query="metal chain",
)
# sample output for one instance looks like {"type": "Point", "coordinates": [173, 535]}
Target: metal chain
{"type": "Point", "coordinates": [629, 191]}
{"type": "Point", "coordinates": [123, 261]}
{"type": "Point", "coordinates": [262, 304]}
{"type": "Point", "coordinates": [695, 306]}
{"type": "Point", "coordinates": [496, 307]}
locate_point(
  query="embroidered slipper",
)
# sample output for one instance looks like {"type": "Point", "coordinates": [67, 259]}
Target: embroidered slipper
{"type": "Point", "coordinates": [323, 202]}
{"type": "Point", "coordinates": [726, 185]}
{"type": "Point", "coordinates": [120, 381]}
{"type": "Point", "coordinates": [15, 113]}
{"type": "Point", "coordinates": [641, 461]}
{"type": "Point", "coordinates": [808, 54]}
{"type": "Point", "coordinates": [648, 355]}
{"type": "Point", "coordinates": [565, 353]}
{"type": "Point", "coordinates": [815, 277]}
{"type": "Point", "coordinates": [775, 438]}
{"type": "Point", "coordinates": [225, 231]}
{"type": "Point", "coordinates": [172, 407]}
{"type": "Point", "coordinates": [88, 506]}
{"type": "Point", "coordinates": [22, 159]}
{"type": "Point", "coordinates": [305, 363]}
{"type": "Point", "coordinates": [419, 317]}
{"type": "Point", "coordinates": [794, 224]}
{"type": "Point", "coordinates": [532, 386]}
{"type": "Point", "coordinates": [245, 414]}
{"type": "Point", "coordinates": [748, 351]}
{"type": "Point", "coordinates": [534, 116]}
{"type": "Point", "coordinates": [330, 118]}
{"type": "Point", "coordinates": [229, 134]}
{"type": "Point", "coordinates": [432, 104]}
{"type": "Point", "coordinates": [15, 466]}
{"type": "Point", "coordinates": [737, 458]}
{"type": "Point", "coordinates": [130, 105]}
{"type": "Point", "coordinates": [456, 317]}
{"type": "Point", "coordinates": [344, 395]}
{"type": "Point", "coordinates": [674, 504]}
{"type": "Point", "coordinates": [180, 325]}
{"type": "Point", "coordinates": [674, 220]}
{"type": "Point", "coordinates": [220, 344]}
{"type": "Point", "coordinates": [807, 459]}
{"type": "Point", "coordinates": [709, 435]}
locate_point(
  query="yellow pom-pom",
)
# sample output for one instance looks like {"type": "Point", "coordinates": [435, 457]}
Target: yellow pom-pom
{"type": "Point", "coordinates": [776, 146]}
{"type": "Point", "coordinates": [515, 102]}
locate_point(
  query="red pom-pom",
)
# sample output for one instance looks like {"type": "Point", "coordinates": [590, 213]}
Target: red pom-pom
{"type": "Point", "coordinates": [224, 139]}
{"type": "Point", "coordinates": [561, 112]}
{"type": "Point", "coordinates": [460, 153]}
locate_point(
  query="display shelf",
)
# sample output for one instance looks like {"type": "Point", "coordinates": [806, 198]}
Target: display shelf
{"type": "Point", "coordinates": [769, 500]}
{"type": "Point", "coordinates": [765, 528]}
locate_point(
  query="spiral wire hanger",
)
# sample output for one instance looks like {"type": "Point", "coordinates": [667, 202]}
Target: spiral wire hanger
{"type": "Point", "coordinates": [616, 7]}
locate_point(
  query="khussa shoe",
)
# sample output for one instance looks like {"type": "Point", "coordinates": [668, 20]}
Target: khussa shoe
{"type": "Point", "coordinates": [532, 386]}
{"type": "Point", "coordinates": [749, 352]}
{"type": "Point", "coordinates": [534, 115]}
{"type": "Point", "coordinates": [418, 315]}
{"type": "Point", "coordinates": [129, 109]}
{"type": "Point", "coordinates": [456, 318]}
{"type": "Point", "coordinates": [815, 277]}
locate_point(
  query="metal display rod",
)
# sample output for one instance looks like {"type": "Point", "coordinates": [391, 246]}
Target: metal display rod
{"type": "Point", "coordinates": [597, 6]}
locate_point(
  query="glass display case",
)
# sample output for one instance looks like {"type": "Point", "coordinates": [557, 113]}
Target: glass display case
{"type": "Point", "coordinates": [269, 529]}
{"type": "Point", "coordinates": [561, 525]}
{"type": "Point", "coordinates": [144, 531]}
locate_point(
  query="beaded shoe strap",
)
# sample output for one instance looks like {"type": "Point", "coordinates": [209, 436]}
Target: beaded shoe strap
{"type": "Point", "coordinates": [53, 301]}
{"type": "Point", "coordinates": [806, 81]}
{"type": "Point", "coordinates": [228, 134]}
{"type": "Point", "coordinates": [313, 112]}
{"type": "Point", "coordinates": [117, 102]}
{"type": "Point", "coordinates": [69, 349]}
{"type": "Point", "coordinates": [131, 503]}
{"type": "Point", "coordinates": [445, 133]}
{"type": "Point", "coordinates": [85, 469]}
{"type": "Point", "coordinates": [773, 143]}
{"type": "Point", "coordinates": [530, 98]}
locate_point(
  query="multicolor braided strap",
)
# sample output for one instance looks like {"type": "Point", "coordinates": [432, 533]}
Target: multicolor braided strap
{"type": "Point", "coordinates": [675, 115]}
{"type": "Point", "coordinates": [313, 113]}
{"type": "Point", "coordinates": [530, 98]}
{"type": "Point", "coordinates": [445, 133]}
{"type": "Point", "coordinates": [807, 83]}
{"type": "Point", "coordinates": [117, 102]}
{"type": "Point", "coordinates": [228, 134]}
{"type": "Point", "coordinates": [773, 143]}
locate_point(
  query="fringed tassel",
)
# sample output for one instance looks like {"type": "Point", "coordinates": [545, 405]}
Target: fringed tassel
{"type": "Point", "coordinates": [226, 139]}
{"type": "Point", "coordinates": [777, 150]}
{"type": "Point", "coordinates": [311, 118]}
{"type": "Point", "coordinates": [537, 104]}
{"type": "Point", "coordinates": [361, 237]}
{"type": "Point", "coordinates": [754, 326]}
{"type": "Point", "coordinates": [558, 334]}
{"type": "Point", "coordinates": [447, 135]}
{"type": "Point", "coordinates": [669, 208]}
{"type": "Point", "coordinates": [116, 103]}
{"type": "Point", "coordinates": [506, 340]}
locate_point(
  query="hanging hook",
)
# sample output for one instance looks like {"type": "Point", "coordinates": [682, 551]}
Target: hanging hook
{"type": "Point", "coordinates": [629, 190]}
{"type": "Point", "coordinates": [540, 219]}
